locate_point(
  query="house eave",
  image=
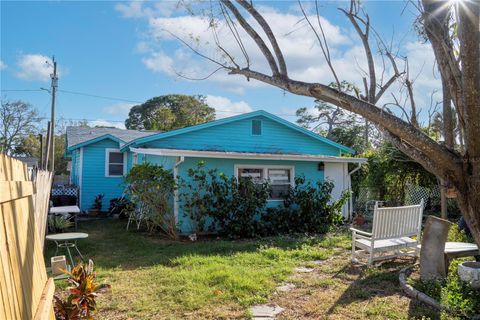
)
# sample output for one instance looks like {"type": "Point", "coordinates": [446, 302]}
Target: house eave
{"type": "Point", "coordinates": [245, 155]}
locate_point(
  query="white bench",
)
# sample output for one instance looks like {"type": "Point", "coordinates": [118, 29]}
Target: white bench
{"type": "Point", "coordinates": [392, 232]}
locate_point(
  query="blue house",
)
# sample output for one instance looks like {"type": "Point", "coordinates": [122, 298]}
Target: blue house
{"type": "Point", "coordinates": [256, 144]}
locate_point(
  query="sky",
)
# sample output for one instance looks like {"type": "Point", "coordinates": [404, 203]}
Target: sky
{"type": "Point", "coordinates": [125, 51]}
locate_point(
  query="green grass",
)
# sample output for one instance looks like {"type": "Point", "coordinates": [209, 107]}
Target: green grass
{"type": "Point", "coordinates": [157, 278]}
{"type": "Point", "coordinates": [154, 278]}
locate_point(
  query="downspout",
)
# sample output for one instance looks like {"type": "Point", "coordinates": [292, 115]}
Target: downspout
{"type": "Point", "coordinates": [350, 201]}
{"type": "Point", "coordinates": [178, 162]}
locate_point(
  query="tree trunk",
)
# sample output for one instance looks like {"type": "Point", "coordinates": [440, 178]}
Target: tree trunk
{"type": "Point", "coordinates": [443, 198]}
{"type": "Point", "coordinates": [469, 202]}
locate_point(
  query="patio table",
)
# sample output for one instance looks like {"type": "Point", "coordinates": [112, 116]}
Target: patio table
{"type": "Point", "coordinates": [460, 250]}
{"type": "Point", "coordinates": [67, 240]}
{"type": "Point", "coordinates": [65, 211]}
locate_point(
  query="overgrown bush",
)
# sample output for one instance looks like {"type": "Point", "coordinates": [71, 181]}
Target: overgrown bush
{"type": "Point", "coordinates": [212, 201]}
{"type": "Point", "coordinates": [308, 208]}
{"type": "Point", "coordinates": [150, 187]}
{"type": "Point", "coordinates": [461, 300]}
{"type": "Point", "coordinates": [121, 206]}
{"type": "Point", "coordinates": [459, 296]}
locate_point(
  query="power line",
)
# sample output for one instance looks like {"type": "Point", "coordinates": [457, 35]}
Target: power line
{"type": "Point", "coordinates": [13, 90]}
{"type": "Point", "coordinates": [135, 101]}
{"type": "Point", "coordinates": [98, 96]}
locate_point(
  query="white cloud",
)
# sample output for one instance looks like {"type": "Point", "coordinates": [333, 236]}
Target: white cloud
{"type": "Point", "coordinates": [136, 9]}
{"type": "Point", "coordinates": [300, 47]}
{"type": "Point", "coordinates": [120, 109]}
{"type": "Point", "coordinates": [160, 62]}
{"type": "Point", "coordinates": [106, 123]}
{"type": "Point", "coordinates": [34, 67]}
{"type": "Point", "coordinates": [2, 65]}
{"type": "Point", "coordinates": [224, 107]}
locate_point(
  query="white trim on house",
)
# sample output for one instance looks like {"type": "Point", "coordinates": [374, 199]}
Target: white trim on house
{"type": "Point", "coordinates": [265, 168]}
{"type": "Point", "coordinates": [80, 176]}
{"type": "Point", "coordinates": [107, 162]}
{"type": "Point", "coordinates": [178, 162]}
{"type": "Point", "coordinates": [245, 155]}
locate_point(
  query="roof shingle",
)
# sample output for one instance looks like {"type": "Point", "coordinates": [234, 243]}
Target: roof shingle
{"type": "Point", "coordinates": [77, 135]}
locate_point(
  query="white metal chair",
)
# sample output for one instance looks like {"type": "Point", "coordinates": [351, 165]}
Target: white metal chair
{"type": "Point", "coordinates": [391, 236]}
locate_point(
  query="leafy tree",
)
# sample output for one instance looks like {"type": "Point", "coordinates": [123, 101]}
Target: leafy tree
{"type": "Point", "coordinates": [17, 119]}
{"type": "Point", "coordinates": [351, 136]}
{"type": "Point", "coordinates": [169, 112]}
{"type": "Point", "coordinates": [29, 146]}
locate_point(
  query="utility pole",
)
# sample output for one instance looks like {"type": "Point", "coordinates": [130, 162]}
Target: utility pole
{"type": "Point", "coordinates": [40, 139]}
{"type": "Point", "coordinates": [54, 78]}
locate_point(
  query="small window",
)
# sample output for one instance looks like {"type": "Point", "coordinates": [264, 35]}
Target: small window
{"type": "Point", "coordinates": [114, 164]}
{"type": "Point", "coordinates": [256, 127]}
{"type": "Point", "coordinates": [255, 174]}
{"type": "Point", "coordinates": [280, 179]}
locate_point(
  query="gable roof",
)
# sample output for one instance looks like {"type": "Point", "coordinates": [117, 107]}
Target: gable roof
{"type": "Point", "coordinates": [263, 113]}
{"type": "Point", "coordinates": [81, 136]}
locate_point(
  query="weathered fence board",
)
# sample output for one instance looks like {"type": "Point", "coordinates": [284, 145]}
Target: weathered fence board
{"type": "Point", "coordinates": [23, 278]}
{"type": "Point", "coordinates": [42, 187]}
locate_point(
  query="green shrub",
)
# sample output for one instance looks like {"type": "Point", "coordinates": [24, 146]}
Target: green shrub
{"type": "Point", "coordinates": [212, 201]}
{"type": "Point", "coordinates": [308, 208]}
{"type": "Point", "coordinates": [151, 188]}
{"type": "Point", "coordinates": [457, 235]}
{"type": "Point", "coordinates": [121, 206]}
{"type": "Point", "coordinates": [459, 296]}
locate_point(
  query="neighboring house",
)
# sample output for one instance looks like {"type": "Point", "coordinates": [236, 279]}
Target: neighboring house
{"type": "Point", "coordinates": [97, 165]}
{"type": "Point", "coordinates": [256, 144]}
{"type": "Point", "coordinates": [31, 162]}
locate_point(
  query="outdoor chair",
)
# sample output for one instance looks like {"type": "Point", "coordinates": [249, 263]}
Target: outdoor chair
{"type": "Point", "coordinates": [391, 236]}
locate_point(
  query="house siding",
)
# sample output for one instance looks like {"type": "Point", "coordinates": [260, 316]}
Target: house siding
{"type": "Point", "coordinates": [236, 137]}
{"type": "Point", "coordinates": [94, 181]}
{"type": "Point", "coordinates": [74, 176]}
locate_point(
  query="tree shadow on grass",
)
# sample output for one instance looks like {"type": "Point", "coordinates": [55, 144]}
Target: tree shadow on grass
{"type": "Point", "coordinates": [110, 245]}
{"type": "Point", "coordinates": [381, 281]}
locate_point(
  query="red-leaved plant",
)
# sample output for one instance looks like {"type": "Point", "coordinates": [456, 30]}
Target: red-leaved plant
{"type": "Point", "coordinates": [80, 303]}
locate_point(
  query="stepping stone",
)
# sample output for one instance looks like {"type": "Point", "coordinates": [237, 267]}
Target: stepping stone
{"type": "Point", "coordinates": [303, 269]}
{"type": "Point", "coordinates": [265, 311]}
{"type": "Point", "coordinates": [286, 287]}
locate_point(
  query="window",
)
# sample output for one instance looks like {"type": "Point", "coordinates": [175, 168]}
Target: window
{"type": "Point", "coordinates": [280, 182]}
{"type": "Point", "coordinates": [280, 178]}
{"type": "Point", "coordinates": [114, 163]}
{"type": "Point", "coordinates": [255, 174]}
{"type": "Point", "coordinates": [256, 127]}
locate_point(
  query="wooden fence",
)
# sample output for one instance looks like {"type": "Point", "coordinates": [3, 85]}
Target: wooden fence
{"type": "Point", "coordinates": [25, 290]}
{"type": "Point", "coordinates": [42, 184]}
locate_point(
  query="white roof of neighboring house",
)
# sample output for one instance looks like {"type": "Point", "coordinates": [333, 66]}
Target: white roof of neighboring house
{"type": "Point", "coordinates": [77, 135]}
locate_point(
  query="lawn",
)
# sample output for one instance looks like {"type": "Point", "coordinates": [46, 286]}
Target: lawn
{"type": "Point", "coordinates": [153, 278]}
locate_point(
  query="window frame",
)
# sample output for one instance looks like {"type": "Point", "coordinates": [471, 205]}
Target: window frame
{"type": "Point", "coordinates": [261, 128]}
{"type": "Point", "coordinates": [265, 168]}
{"type": "Point", "coordinates": [107, 162]}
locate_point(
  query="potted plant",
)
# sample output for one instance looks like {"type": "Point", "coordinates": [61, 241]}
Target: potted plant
{"type": "Point", "coordinates": [58, 224]}
{"type": "Point", "coordinates": [97, 205]}
{"type": "Point", "coordinates": [359, 219]}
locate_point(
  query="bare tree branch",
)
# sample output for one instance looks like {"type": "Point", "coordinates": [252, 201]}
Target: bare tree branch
{"type": "Point", "coordinates": [254, 35]}
{"type": "Point", "coordinates": [268, 31]}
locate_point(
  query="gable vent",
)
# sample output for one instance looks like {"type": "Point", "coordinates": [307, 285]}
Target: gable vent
{"type": "Point", "coordinates": [256, 127]}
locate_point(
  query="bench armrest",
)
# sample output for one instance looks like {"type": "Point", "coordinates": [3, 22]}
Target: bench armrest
{"type": "Point", "coordinates": [368, 234]}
